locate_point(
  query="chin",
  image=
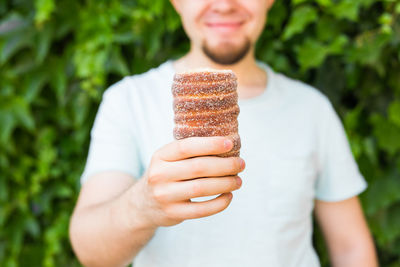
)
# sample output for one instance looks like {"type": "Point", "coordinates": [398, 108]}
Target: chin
{"type": "Point", "coordinates": [227, 53]}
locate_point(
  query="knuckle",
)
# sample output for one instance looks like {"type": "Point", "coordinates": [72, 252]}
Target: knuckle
{"type": "Point", "coordinates": [234, 165]}
{"type": "Point", "coordinates": [181, 148]}
{"type": "Point", "coordinates": [198, 211]}
{"type": "Point", "coordinates": [154, 176]}
{"type": "Point", "coordinates": [155, 156]}
{"type": "Point", "coordinates": [159, 195]}
{"type": "Point", "coordinates": [197, 167]}
{"type": "Point", "coordinates": [197, 189]}
{"type": "Point", "coordinates": [228, 184]}
{"type": "Point", "coordinates": [169, 212]}
{"type": "Point", "coordinates": [171, 215]}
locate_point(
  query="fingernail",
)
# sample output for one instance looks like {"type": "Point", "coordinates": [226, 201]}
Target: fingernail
{"type": "Point", "coordinates": [228, 144]}
{"type": "Point", "coordinates": [242, 164]}
{"type": "Point", "coordinates": [239, 181]}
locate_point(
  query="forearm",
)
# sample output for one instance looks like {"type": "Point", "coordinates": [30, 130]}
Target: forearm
{"type": "Point", "coordinates": [346, 233]}
{"type": "Point", "coordinates": [363, 256]}
{"type": "Point", "coordinates": [103, 235]}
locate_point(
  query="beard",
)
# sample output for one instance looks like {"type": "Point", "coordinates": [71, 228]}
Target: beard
{"type": "Point", "coordinates": [227, 54]}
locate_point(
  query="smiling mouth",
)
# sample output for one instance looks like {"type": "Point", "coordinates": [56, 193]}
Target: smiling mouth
{"type": "Point", "coordinates": [224, 27]}
{"type": "Point", "coordinates": [227, 25]}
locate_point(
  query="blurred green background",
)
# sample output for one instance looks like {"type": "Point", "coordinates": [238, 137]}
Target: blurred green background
{"type": "Point", "coordinates": [57, 57]}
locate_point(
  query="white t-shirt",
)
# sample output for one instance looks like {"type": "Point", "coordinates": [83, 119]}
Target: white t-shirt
{"type": "Point", "coordinates": [295, 150]}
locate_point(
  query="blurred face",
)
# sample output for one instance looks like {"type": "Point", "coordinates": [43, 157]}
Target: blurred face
{"type": "Point", "coordinates": [225, 30]}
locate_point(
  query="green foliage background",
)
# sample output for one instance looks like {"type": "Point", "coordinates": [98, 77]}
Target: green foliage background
{"type": "Point", "coordinates": [57, 57]}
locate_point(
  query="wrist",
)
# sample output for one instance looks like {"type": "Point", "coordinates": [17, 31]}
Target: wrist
{"type": "Point", "coordinates": [133, 209]}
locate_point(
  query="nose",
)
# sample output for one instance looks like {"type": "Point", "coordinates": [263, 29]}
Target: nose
{"type": "Point", "coordinates": [223, 6]}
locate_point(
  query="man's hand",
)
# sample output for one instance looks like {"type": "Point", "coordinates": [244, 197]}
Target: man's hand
{"type": "Point", "coordinates": [188, 169]}
{"type": "Point", "coordinates": [116, 216]}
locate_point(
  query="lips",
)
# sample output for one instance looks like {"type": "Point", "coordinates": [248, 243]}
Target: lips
{"type": "Point", "coordinates": [223, 24]}
{"type": "Point", "coordinates": [224, 27]}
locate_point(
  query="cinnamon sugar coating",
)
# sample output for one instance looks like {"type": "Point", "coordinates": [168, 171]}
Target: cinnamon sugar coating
{"type": "Point", "coordinates": [203, 88]}
{"type": "Point", "coordinates": [198, 104]}
{"type": "Point", "coordinates": [205, 104]}
{"type": "Point", "coordinates": [205, 76]}
{"type": "Point", "coordinates": [207, 118]}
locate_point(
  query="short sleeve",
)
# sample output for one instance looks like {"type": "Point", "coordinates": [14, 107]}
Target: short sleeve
{"type": "Point", "coordinates": [339, 177]}
{"type": "Point", "coordinates": [113, 144]}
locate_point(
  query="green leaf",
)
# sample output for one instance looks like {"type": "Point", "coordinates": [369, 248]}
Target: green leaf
{"type": "Point", "coordinates": [394, 112]}
{"type": "Point", "coordinates": [32, 226]}
{"type": "Point", "coordinates": [62, 191]}
{"type": "Point", "coordinates": [44, 8]}
{"type": "Point", "coordinates": [7, 124]}
{"type": "Point", "coordinates": [3, 195]}
{"type": "Point", "coordinates": [117, 63]}
{"type": "Point", "coordinates": [58, 79]}
{"type": "Point", "coordinates": [397, 8]}
{"type": "Point", "coordinates": [297, 2]}
{"type": "Point", "coordinates": [43, 42]}
{"type": "Point", "coordinates": [311, 54]}
{"type": "Point", "coordinates": [31, 255]}
{"type": "Point", "coordinates": [325, 3]}
{"type": "Point", "coordinates": [277, 16]}
{"type": "Point", "coordinates": [12, 23]}
{"type": "Point", "coordinates": [386, 18]}
{"type": "Point", "coordinates": [33, 84]}
{"type": "Point", "coordinates": [370, 150]}
{"type": "Point", "coordinates": [387, 134]}
{"type": "Point", "coordinates": [391, 227]}
{"type": "Point", "coordinates": [382, 192]}
{"type": "Point", "coordinates": [352, 119]}
{"type": "Point", "coordinates": [172, 21]}
{"type": "Point", "coordinates": [12, 44]}
{"type": "Point", "coordinates": [368, 47]}
{"type": "Point", "coordinates": [386, 227]}
{"type": "Point", "coordinates": [80, 109]}
{"type": "Point", "coordinates": [346, 9]}
{"type": "Point", "coordinates": [328, 28]}
{"type": "Point", "coordinates": [299, 20]}
{"type": "Point", "coordinates": [356, 146]}
{"type": "Point", "coordinates": [336, 47]}
{"type": "Point", "coordinates": [15, 112]}
{"type": "Point", "coordinates": [23, 114]}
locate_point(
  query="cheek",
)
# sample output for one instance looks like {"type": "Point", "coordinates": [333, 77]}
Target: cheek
{"type": "Point", "coordinates": [259, 14]}
{"type": "Point", "coordinates": [189, 25]}
{"type": "Point", "coordinates": [256, 10]}
{"type": "Point", "coordinates": [191, 19]}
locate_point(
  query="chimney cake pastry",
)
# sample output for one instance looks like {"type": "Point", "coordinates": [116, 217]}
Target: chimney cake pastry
{"type": "Point", "coordinates": [205, 104]}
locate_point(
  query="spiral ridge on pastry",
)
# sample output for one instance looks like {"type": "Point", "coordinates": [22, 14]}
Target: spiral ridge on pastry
{"type": "Point", "coordinates": [205, 104]}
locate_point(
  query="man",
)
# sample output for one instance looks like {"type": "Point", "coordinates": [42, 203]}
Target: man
{"type": "Point", "coordinates": [295, 149]}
